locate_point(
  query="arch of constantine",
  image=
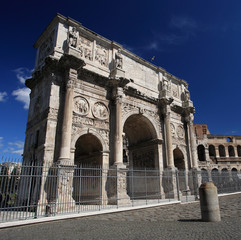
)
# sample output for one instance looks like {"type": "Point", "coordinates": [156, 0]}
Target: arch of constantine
{"type": "Point", "coordinates": [94, 103]}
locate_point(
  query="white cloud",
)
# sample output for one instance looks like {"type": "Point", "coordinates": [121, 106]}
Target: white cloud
{"type": "Point", "coordinates": [1, 140]}
{"type": "Point", "coordinates": [18, 144]}
{"type": "Point", "coordinates": [15, 147]}
{"type": "Point", "coordinates": [3, 96]}
{"type": "Point", "coordinates": [23, 73]}
{"type": "Point", "coordinates": [19, 152]}
{"type": "Point", "coordinates": [22, 95]}
{"type": "Point", "coordinates": [183, 23]}
{"type": "Point", "coordinates": [153, 46]}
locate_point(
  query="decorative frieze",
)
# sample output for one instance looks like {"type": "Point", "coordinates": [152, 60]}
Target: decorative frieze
{"type": "Point", "coordinates": [105, 135]}
{"type": "Point", "coordinates": [101, 55]}
{"type": "Point", "coordinates": [53, 113]}
{"type": "Point", "coordinates": [85, 47]}
{"type": "Point", "coordinates": [82, 120]}
{"type": "Point", "coordinates": [126, 108]}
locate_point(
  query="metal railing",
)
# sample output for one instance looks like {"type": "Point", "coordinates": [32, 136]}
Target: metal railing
{"type": "Point", "coordinates": [33, 191]}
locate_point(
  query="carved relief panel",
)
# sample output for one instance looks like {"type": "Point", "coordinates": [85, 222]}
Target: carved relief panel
{"type": "Point", "coordinates": [178, 133]}
{"type": "Point", "coordinates": [85, 46]}
{"type": "Point", "coordinates": [101, 55]}
{"type": "Point", "coordinates": [46, 48]}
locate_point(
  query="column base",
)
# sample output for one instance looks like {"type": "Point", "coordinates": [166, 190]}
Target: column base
{"type": "Point", "coordinates": [65, 201]}
{"type": "Point", "coordinates": [117, 182]}
{"type": "Point", "coordinates": [170, 183]}
{"type": "Point", "coordinates": [197, 181]}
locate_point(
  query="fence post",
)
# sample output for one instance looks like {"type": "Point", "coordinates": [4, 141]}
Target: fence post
{"type": "Point", "coordinates": [178, 187]}
{"type": "Point", "coordinates": [80, 182]}
{"type": "Point", "coordinates": [146, 185]}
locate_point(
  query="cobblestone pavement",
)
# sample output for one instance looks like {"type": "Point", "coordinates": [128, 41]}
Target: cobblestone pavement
{"type": "Point", "coordinates": [179, 221]}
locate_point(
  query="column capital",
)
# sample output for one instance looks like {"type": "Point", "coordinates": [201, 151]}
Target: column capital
{"type": "Point", "coordinates": [117, 94]}
{"type": "Point", "coordinates": [189, 119]}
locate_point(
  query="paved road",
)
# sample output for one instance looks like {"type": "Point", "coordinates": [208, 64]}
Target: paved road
{"type": "Point", "coordinates": [179, 221]}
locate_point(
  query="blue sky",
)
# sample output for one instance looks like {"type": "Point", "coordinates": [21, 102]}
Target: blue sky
{"type": "Point", "coordinates": [198, 41]}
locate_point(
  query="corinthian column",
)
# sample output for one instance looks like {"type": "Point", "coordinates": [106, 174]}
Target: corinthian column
{"type": "Point", "coordinates": [69, 65]}
{"type": "Point", "coordinates": [192, 141]}
{"type": "Point", "coordinates": [64, 156]}
{"type": "Point", "coordinates": [118, 149]}
{"type": "Point", "coordinates": [168, 136]}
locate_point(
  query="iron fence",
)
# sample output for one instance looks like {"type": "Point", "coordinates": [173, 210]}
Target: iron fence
{"type": "Point", "coordinates": [33, 190]}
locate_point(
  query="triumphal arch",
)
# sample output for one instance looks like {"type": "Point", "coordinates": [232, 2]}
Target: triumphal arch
{"type": "Point", "coordinates": [93, 102]}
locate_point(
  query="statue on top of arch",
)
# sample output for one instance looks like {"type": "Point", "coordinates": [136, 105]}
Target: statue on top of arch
{"type": "Point", "coordinates": [72, 37]}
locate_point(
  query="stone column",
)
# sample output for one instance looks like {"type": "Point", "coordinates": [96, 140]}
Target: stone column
{"type": "Point", "coordinates": [168, 135]}
{"type": "Point", "coordinates": [226, 151]}
{"type": "Point", "coordinates": [118, 149]}
{"type": "Point", "coordinates": [117, 177]}
{"type": "Point", "coordinates": [192, 140]}
{"type": "Point", "coordinates": [170, 185]}
{"type": "Point", "coordinates": [196, 173]}
{"type": "Point", "coordinates": [64, 156]}
{"type": "Point", "coordinates": [235, 151]}
{"type": "Point", "coordinates": [69, 66]}
{"type": "Point", "coordinates": [217, 152]}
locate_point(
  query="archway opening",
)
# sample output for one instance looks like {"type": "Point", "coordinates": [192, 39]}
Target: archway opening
{"type": "Point", "coordinates": [204, 174]}
{"type": "Point", "coordinates": [239, 150]}
{"type": "Point", "coordinates": [88, 151]}
{"type": "Point", "coordinates": [180, 165]}
{"type": "Point", "coordinates": [221, 149]}
{"type": "Point", "coordinates": [87, 174]}
{"type": "Point", "coordinates": [231, 151]}
{"type": "Point", "coordinates": [224, 179]}
{"type": "Point", "coordinates": [140, 148]}
{"type": "Point", "coordinates": [215, 176]}
{"type": "Point", "coordinates": [179, 159]}
{"type": "Point", "coordinates": [234, 172]}
{"type": "Point", "coordinates": [139, 134]}
{"type": "Point", "coordinates": [212, 152]}
{"type": "Point", "coordinates": [201, 153]}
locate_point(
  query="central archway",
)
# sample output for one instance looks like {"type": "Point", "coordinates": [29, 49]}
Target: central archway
{"type": "Point", "coordinates": [140, 138]}
{"type": "Point", "coordinates": [140, 133]}
{"type": "Point", "coordinates": [87, 175]}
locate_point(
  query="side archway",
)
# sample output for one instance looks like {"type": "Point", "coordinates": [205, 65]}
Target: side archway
{"type": "Point", "coordinates": [88, 158]}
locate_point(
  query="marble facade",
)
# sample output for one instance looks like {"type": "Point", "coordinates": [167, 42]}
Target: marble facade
{"type": "Point", "coordinates": [90, 97]}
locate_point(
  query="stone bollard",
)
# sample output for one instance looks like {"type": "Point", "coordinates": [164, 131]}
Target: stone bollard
{"type": "Point", "coordinates": [209, 202]}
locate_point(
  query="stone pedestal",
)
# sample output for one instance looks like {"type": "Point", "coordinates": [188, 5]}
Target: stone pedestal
{"type": "Point", "coordinates": [65, 201]}
{"type": "Point", "coordinates": [117, 73]}
{"type": "Point", "coordinates": [196, 180]}
{"type": "Point", "coordinates": [117, 186]}
{"type": "Point", "coordinates": [170, 183]}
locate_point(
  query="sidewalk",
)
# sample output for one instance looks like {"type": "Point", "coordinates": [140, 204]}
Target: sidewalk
{"type": "Point", "coordinates": [178, 221]}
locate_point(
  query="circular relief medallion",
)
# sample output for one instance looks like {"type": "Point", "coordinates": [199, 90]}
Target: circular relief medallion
{"type": "Point", "coordinates": [100, 111]}
{"type": "Point", "coordinates": [81, 105]}
{"type": "Point", "coordinates": [180, 131]}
